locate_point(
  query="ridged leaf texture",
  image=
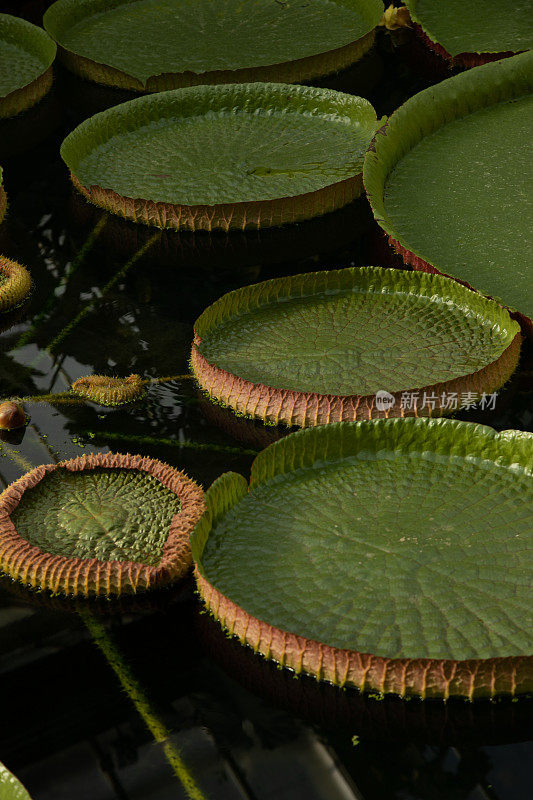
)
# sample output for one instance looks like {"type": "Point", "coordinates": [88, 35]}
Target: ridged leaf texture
{"type": "Point", "coordinates": [353, 331]}
{"type": "Point", "coordinates": [146, 38]}
{"type": "Point", "coordinates": [478, 26]}
{"type": "Point", "coordinates": [108, 514]}
{"type": "Point", "coordinates": [448, 178]}
{"type": "Point", "coordinates": [404, 539]}
{"type": "Point", "coordinates": [26, 51]}
{"type": "Point", "coordinates": [223, 144]}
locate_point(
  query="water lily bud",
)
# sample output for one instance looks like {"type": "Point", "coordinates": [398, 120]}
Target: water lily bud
{"type": "Point", "coordinates": [12, 416]}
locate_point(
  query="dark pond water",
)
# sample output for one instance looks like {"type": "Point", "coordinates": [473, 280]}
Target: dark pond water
{"type": "Point", "coordinates": [110, 297]}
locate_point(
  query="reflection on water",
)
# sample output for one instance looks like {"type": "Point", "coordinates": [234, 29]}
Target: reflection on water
{"type": "Point", "coordinates": [114, 298]}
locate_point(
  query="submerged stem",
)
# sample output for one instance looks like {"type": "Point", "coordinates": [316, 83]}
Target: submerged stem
{"type": "Point", "coordinates": [135, 692]}
{"type": "Point", "coordinates": [152, 440]}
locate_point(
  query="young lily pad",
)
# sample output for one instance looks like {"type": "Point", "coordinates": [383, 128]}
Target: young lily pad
{"type": "Point", "coordinates": [239, 156]}
{"type": "Point", "coordinates": [330, 346]}
{"type": "Point", "coordinates": [99, 525]}
{"type": "Point", "coordinates": [10, 787]}
{"type": "Point", "coordinates": [393, 555]}
{"type": "Point", "coordinates": [109, 391]}
{"type": "Point", "coordinates": [15, 284]}
{"type": "Point", "coordinates": [471, 33]}
{"type": "Point", "coordinates": [448, 179]}
{"type": "Point", "coordinates": [152, 45]}
{"type": "Point", "coordinates": [26, 56]}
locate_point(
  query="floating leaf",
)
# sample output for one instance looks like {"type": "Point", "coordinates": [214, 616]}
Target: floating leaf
{"type": "Point", "coordinates": [394, 556]}
{"type": "Point", "coordinates": [239, 156]}
{"type": "Point", "coordinates": [470, 33]}
{"type": "Point", "coordinates": [449, 176]}
{"type": "Point", "coordinates": [26, 56]}
{"type": "Point", "coordinates": [151, 45]}
{"type": "Point", "coordinates": [331, 346]}
{"type": "Point", "coordinates": [107, 525]}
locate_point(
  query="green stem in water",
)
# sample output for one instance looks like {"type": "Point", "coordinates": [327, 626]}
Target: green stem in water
{"type": "Point", "coordinates": [88, 307]}
{"type": "Point", "coordinates": [151, 440]}
{"type": "Point", "coordinates": [16, 457]}
{"type": "Point", "coordinates": [78, 260]}
{"type": "Point", "coordinates": [131, 686]}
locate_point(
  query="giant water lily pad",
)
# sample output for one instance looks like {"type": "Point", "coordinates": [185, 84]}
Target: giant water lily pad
{"type": "Point", "coordinates": [152, 45]}
{"type": "Point", "coordinates": [449, 179]}
{"type": "Point", "coordinates": [392, 555]}
{"type": "Point", "coordinates": [473, 32]}
{"type": "Point", "coordinates": [329, 346]}
{"type": "Point", "coordinates": [99, 525]}
{"type": "Point", "coordinates": [10, 787]}
{"type": "Point", "coordinates": [26, 56]}
{"type": "Point", "coordinates": [238, 156]}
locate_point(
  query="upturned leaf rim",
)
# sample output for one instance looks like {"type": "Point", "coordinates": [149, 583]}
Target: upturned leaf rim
{"type": "Point", "coordinates": [63, 14]}
{"type": "Point", "coordinates": [192, 101]}
{"type": "Point", "coordinates": [292, 407]}
{"type": "Point", "coordinates": [423, 114]}
{"type": "Point", "coordinates": [89, 577]}
{"type": "Point", "coordinates": [38, 42]}
{"type": "Point", "coordinates": [407, 677]}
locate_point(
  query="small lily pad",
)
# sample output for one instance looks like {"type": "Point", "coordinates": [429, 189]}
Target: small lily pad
{"type": "Point", "coordinates": [392, 555]}
{"type": "Point", "coordinates": [239, 156]}
{"type": "Point", "coordinates": [99, 525]}
{"type": "Point", "coordinates": [153, 45]}
{"type": "Point", "coordinates": [26, 55]}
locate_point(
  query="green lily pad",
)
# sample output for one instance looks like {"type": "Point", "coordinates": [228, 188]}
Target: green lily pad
{"type": "Point", "coordinates": [392, 555]}
{"type": "Point", "coordinates": [26, 55]}
{"type": "Point", "coordinates": [245, 155]}
{"type": "Point", "coordinates": [109, 514]}
{"type": "Point", "coordinates": [165, 44]}
{"type": "Point", "coordinates": [319, 347]}
{"type": "Point", "coordinates": [107, 525]}
{"type": "Point", "coordinates": [476, 26]}
{"type": "Point", "coordinates": [449, 179]}
{"type": "Point", "coordinates": [10, 787]}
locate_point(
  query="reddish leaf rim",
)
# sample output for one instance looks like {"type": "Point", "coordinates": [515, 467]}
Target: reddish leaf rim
{"type": "Point", "coordinates": [87, 577]}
